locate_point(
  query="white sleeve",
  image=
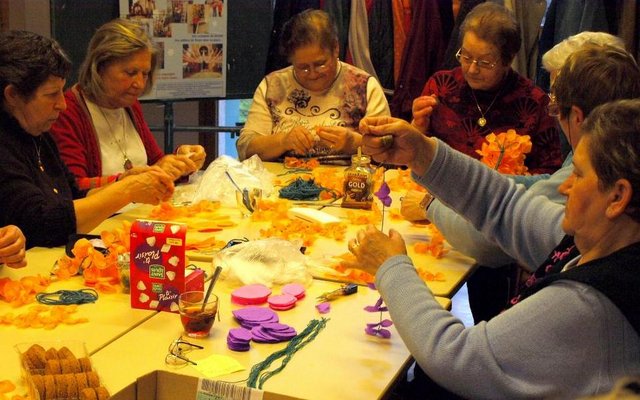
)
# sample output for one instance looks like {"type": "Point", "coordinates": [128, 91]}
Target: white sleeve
{"type": "Point", "coordinates": [377, 105]}
{"type": "Point", "coordinates": [259, 120]}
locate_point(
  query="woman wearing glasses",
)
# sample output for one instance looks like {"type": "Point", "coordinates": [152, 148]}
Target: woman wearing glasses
{"type": "Point", "coordinates": [103, 136]}
{"type": "Point", "coordinates": [312, 107]}
{"type": "Point", "coordinates": [485, 95]}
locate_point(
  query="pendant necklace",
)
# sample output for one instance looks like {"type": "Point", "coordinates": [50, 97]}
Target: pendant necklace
{"type": "Point", "coordinates": [482, 121]}
{"type": "Point", "coordinates": [127, 163]}
{"type": "Point", "coordinates": [37, 146]}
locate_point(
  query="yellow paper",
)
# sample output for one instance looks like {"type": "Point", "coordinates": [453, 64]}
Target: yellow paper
{"type": "Point", "coordinates": [216, 365]}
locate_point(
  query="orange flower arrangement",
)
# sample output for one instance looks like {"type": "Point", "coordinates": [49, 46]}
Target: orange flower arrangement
{"type": "Point", "coordinates": [506, 151]}
{"type": "Point", "coordinates": [99, 270]}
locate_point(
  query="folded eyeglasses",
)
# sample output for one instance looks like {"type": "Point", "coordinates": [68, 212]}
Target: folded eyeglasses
{"type": "Point", "coordinates": [178, 350]}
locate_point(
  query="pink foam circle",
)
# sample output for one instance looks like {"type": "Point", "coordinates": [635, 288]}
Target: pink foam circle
{"type": "Point", "coordinates": [251, 294]}
{"type": "Point", "coordinates": [295, 289]}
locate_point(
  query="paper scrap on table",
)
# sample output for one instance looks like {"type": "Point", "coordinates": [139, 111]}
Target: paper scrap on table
{"type": "Point", "coordinates": [216, 365]}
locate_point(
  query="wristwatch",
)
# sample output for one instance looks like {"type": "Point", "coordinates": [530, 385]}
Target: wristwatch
{"type": "Point", "coordinates": [426, 202]}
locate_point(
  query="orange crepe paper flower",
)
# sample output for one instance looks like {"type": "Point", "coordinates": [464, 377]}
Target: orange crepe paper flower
{"type": "Point", "coordinates": [307, 232]}
{"type": "Point", "coordinates": [7, 386]}
{"type": "Point", "coordinates": [362, 217]}
{"type": "Point", "coordinates": [40, 316]}
{"type": "Point", "coordinates": [331, 179]}
{"type": "Point", "coordinates": [268, 210]}
{"type": "Point", "coordinates": [203, 209]}
{"type": "Point", "coordinates": [301, 163]}
{"type": "Point", "coordinates": [506, 152]}
{"type": "Point", "coordinates": [347, 269]}
{"type": "Point", "coordinates": [285, 227]}
{"type": "Point", "coordinates": [22, 291]}
{"type": "Point", "coordinates": [403, 182]}
{"type": "Point", "coordinates": [435, 246]}
{"type": "Point", "coordinates": [99, 270]}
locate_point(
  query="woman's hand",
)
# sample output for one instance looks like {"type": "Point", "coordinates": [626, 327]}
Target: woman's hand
{"type": "Point", "coordinates": [177, 165]}
{"type": "Point", "coordinates": [150, 187]}
{"type": "Point", "coordinates": [422, 109]}
{"type": "Point", "coordinates": [372, 247]}
{"type": "Point", "coordinates": [195, 152]}
{"type": "Point", "coordinates": [134, 171]}
{"type": "Point", "coordinates": [340, 139]}
{"type": "Point", "coordinates": [407, 147]}
{"type": "Point", "coordinates": [411, 206]}
{"type": "Point", "coordinates": [12, 247]}
{"type": "Point", "coordinates": [298, 139]}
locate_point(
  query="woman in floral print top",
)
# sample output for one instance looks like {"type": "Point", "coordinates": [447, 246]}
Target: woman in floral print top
{"type": "Point", "coordinates": [314, 106]}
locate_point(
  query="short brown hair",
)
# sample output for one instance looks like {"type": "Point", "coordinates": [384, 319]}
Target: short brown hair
{"type": "Point", "coordinates": [307, 28]}
{"type": "Point", "coordinates": [27, 60]}
{"type": "Point", "coordinates": [495, 24]}
{"type": "Point", "coordinates": [613, 130]}
{"type": "Point", "coordinates": [594, 75]}
{"type": "Point", "coordinates": [113, 41]}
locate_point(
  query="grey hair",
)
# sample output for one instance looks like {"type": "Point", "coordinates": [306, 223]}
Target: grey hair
{"type": "Point", "coordinates": [114, 41]}
{"type": "Point", "coordinates": [613, 130]}
{"type": "Point", "coordinates": [555, 58]}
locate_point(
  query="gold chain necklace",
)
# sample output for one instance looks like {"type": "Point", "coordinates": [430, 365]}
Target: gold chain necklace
{"type": "Point", "coordinates": [36, 143]}
{"type": "Point", "coordinates": [127, 163]}
{"type": "Point", "coordinates": [482, 121]}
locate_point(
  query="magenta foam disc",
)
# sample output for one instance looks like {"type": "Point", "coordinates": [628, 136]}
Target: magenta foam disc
{"type": "Point", "coordinates": [282, 302]}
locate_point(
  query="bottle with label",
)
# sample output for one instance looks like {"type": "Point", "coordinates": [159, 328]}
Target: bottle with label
{"type": "Point", "coordinates": [358, 183]}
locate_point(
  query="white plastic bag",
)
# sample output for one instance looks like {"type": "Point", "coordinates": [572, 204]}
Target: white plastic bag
{"type": "Point", "coordinates": [216, 185]}
{"type": "Point", "coordinates": [269, 261]}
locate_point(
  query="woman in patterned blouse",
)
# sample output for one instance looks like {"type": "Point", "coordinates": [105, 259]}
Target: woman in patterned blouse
{"type": "Point", "coordinates": [312, 107]}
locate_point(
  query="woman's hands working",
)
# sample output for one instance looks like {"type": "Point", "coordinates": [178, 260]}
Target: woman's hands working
{"type": "Point", "coordinates": [12, 247]}
{"type": "Point", "coordinates": [372, 247]}
{"type": "Point", "coordinates": [422, 109]}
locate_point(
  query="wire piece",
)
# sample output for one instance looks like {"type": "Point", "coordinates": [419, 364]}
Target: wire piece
{"type": "Point", "coordinates": [259, 373]}
{"type": "Point", "coordinates": [301, 189]}
{"type": "Point", "coordinates": [67, 297]}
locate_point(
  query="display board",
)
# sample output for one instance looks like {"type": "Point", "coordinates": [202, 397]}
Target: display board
{"type": "Point", "coordinates": [248, 32]}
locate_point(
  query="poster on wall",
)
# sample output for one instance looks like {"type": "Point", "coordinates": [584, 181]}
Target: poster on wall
{"type": "Point", "coordinates": [191, 36]}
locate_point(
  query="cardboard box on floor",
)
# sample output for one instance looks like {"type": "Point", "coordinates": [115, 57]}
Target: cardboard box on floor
{"type": "Point", "coordinates": [165, 385]}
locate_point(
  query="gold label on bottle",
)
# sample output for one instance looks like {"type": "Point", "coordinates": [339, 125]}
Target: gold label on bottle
{"type": "Point", "coordinates": [357, 191]}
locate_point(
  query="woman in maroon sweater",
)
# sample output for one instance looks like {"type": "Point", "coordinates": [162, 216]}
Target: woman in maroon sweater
{"type": "Point", "coordinates": [485, 95]}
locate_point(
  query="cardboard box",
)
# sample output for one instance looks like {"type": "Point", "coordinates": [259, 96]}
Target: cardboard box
{"type": "Point", "coordinates": [157, 265]}
{"type": "Point", "coordinates": [165, 385]}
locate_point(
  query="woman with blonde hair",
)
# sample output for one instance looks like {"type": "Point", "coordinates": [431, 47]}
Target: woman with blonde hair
{"type": "Point", "coordinates": [102, 135]}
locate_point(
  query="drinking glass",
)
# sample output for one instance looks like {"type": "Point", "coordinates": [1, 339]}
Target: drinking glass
{"type": "Point", "coordinates": [196, 319]}
{"type": "Point", "coordinates": [247, 200]}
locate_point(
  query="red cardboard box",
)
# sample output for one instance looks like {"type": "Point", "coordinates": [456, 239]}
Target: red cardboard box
{"type": "Point", "coordinates": [157, 264]}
